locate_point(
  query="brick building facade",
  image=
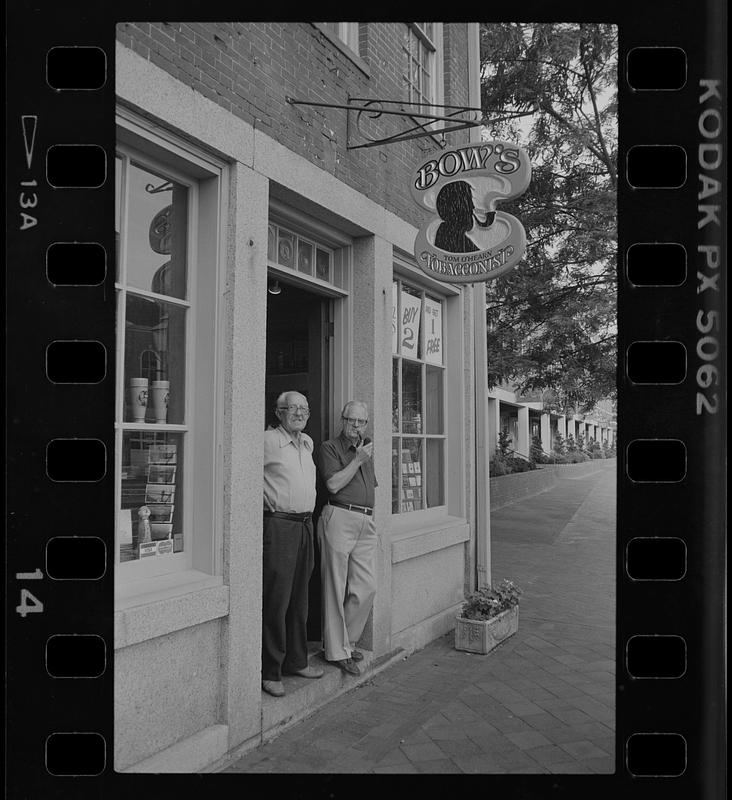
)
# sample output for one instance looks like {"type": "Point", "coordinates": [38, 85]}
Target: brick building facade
{"type": "Point", "coordinates": [259, 251]}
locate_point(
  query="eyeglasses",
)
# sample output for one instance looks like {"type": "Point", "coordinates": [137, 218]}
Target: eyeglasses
{"type": "Point", "coordinates": [292, 409]}
{"type": "Point", "coordinates": [355, 421]}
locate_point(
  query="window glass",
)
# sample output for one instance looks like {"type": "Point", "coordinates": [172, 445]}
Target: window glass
{"type": "Point", "coordinates": [418, 404]}
{"type": "Point", "coordinates": [155, 361]}
{"type": "Point", "coordinates": [347, 32]}
{"type": "Point", "coordinates": [271, 242]}
{"type": "Point", "coordinates": [288, 249]}
{"type": "Point", "coordinates": [395, 396]}
{"type": "Point", "coordinates": [434, 472]}
{"type": "Point", "coordinates": [411, 316]}
{"type": "Point", "coordinates": [150, 516]}
{"type": "Point", "coordinates": [322, 265]}
{"type": "Point", "coordinates": [411, 397]}
{"type": "Point", "coordinates": [305, 257]}
{"type": "Point", "coordinates": [157, 232]}
{"type": "Point", "coordinates": [411, 475]}
{"type": "Point", "coordinates": [434, 422]}
{"type": "Point", "coordinates": [418, 53]}
{"type": "Point", "coordinates": [154, 313]}
{"type": "Point", "coordinates": [395, 475]}
{"type": "Point", "coordinates": [117, 210]}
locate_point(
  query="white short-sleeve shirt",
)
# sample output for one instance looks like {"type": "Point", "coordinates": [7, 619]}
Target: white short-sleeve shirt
{"type": "Point", "coordinates": [289, 472]}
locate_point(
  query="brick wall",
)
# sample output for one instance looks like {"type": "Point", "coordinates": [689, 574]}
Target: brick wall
{"type": "Point", "coordinates": [250, 68]}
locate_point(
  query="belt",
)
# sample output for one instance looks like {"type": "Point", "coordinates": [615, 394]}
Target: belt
{"type": "Point", "coordinates": [304, 516]}
{"type": "Point", "coordinates": [361, 509]}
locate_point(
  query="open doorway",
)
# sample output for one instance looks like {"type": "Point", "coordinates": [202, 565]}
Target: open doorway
{"type": "Point", "coordinates": [298, 359]}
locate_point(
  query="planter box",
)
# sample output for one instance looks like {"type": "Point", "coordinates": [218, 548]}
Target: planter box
{"type": "Point", "coordinates": [481, 636]}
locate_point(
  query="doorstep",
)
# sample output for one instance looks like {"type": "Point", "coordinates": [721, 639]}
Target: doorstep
{"type": "Point", "coordinates": [303, 696]}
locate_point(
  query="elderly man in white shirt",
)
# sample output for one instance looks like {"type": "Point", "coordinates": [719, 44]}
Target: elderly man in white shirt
{"type": "Point", "coordinates": [288, 555]}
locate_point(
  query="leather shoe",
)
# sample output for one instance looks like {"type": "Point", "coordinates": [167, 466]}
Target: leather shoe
{"type": "Point", "coordinates": [356, 655]}
{"type": "Point", "coordinates": [348, 665]}
{"type": "Point", "coordinates": [275, 688]}
{"type": "Point", "coordinates": [307, 672]}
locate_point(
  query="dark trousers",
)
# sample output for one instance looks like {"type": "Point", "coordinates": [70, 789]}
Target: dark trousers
{"type": "Point", "coordinates": [287, 564]}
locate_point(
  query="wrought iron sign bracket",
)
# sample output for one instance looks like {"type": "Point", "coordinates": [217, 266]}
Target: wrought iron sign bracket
{"type": "Point", "coordinates": [361, 109]}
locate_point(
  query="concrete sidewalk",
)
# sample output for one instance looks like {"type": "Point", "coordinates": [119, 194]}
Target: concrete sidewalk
{"type": "Point", "coordinates": [542, 702]}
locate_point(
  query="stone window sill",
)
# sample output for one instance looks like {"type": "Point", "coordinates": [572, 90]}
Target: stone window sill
{"type": "Point", "coordinates": [154, 607]}
{"type": "Point", "coordinates": [409, 542]}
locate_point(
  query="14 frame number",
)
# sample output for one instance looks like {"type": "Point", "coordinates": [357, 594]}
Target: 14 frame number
{"type": "Point", "coordinates": [29, 603]}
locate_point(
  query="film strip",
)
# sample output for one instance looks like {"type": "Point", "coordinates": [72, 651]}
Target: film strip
{"type": "Point", "coordinates": [672, 416]}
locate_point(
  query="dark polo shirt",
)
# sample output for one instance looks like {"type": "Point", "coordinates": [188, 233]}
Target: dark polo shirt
{"type": "Point", "coordinates": [334, 455]}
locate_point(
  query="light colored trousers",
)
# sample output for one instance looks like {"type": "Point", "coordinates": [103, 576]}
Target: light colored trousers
{"type": "Point", "coordinates": [347, 552]}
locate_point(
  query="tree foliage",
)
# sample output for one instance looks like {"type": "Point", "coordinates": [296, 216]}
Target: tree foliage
{"type": "Point", "coordinates": [551, 321]}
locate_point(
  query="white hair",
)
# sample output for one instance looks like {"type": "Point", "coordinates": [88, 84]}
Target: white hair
{"type": "Point", "coordinates": [354, 403]}
{"type": "Point", "coordinates": [282, 398]}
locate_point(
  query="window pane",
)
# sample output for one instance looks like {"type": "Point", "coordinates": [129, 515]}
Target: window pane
{"type": "Point", "coordinates": [157, 232]}
{"type": "Point", "coordinates": [304, 257]}
{"type": "Point", "coordinates": [434, 400]}
{"type": "Point", "coordinates": [117, 211]}
{"type": "Point", "coordinates": [322, 265]}
{"type": "Point", "coordinates": [433, 330]}
{"type": "Point", "coordinates": [271, 242]}
{"type": "Point", "coordinates": [152, 464]}
{"type": "Point", "coordinates": [155, 342]}
{"type": "Point", "coordinates": [395, 472]}
{"type": "Point", "coordinates": [412, 412]}
{"type": "Point", "coordinates": [411, 312]}
{"type": "Point", "coordinates": [395, 396]}
{"type": "Point", "coordinates": [286, 249]}
{"type": "Point", "coordinates": [435, 472]}
{"type": "Point", "coordinates": [411, 474]}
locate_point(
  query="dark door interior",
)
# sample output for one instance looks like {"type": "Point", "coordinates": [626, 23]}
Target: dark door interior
{"type": "Point", "coordinates": [298, 360]}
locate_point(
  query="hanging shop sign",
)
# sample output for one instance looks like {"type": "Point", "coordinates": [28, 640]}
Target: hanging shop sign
{"type": "Point", "coordinates": [466, 240]}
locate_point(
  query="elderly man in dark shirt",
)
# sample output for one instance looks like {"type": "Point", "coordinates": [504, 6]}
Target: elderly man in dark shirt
{"type": "Point", "coordinates": [347, 537]}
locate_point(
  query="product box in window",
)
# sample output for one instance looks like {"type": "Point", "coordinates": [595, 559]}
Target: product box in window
{"type": "Point", "coordinates": [148, 549]}
{"type": "Point", "coordinates": [159, 493]}
{"type": "Point", "coordinates": [161, 512]}
{"type": "Point", "coordinates": [163, 454]}
{"type": "Point", "coordinates": [161, 530]}
{"type": "Point", "coordinates": [161, 473]}
{"type": "Point", "coordinates": [165, 547]}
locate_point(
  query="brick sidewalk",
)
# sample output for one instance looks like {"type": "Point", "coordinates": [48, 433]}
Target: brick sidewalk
{"type": "Point", "coordinates": [542, 702]}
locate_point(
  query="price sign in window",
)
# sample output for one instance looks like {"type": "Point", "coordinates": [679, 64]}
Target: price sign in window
{"type": "Point", "coordinates": [418, 400]}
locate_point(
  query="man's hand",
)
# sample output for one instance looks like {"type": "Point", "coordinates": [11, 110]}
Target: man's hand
{"type": "Point", "coordinates": [364, 452]}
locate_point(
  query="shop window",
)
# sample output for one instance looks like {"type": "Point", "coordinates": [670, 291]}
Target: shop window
{"type": "Point", "coordinates": [166, 349]}
{"type": "Point", "coordinates": [421, 59]}
{"type": "Point", "coordinates": [418, 399]}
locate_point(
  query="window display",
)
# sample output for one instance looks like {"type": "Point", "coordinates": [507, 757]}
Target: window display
{"type": "Point", "coordinates": [152, 495]}
{"type": "Point", "coordinates": [153, 318]}
{"type": "Point", "coordinates": [418, 388]}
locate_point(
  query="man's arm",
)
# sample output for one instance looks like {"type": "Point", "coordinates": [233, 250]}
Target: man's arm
{"type": "Point", "coordinates": [344, 476]}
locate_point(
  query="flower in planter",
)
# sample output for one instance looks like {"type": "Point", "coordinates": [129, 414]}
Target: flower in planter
{"type": "Point", "coordinates": [488, 617]}
{"type": "Point", "coordinates": [488, 602]}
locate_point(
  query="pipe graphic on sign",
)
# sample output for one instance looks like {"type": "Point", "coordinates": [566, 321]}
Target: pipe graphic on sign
{"type": "Point", "coordinates": [466, 240]}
